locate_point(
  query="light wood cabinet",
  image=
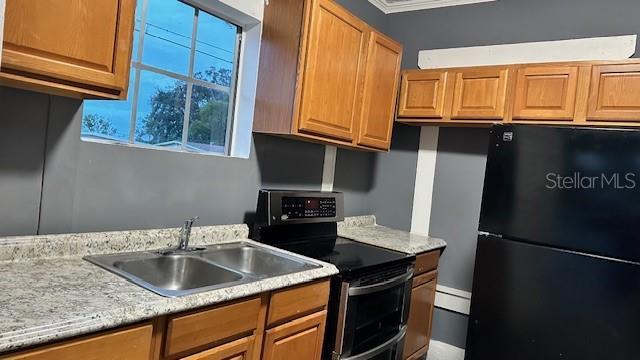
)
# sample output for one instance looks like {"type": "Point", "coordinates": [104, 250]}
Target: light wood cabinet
{"type": "Point", "coordinates": [582, 93]}
{"type": "Point", "coordinates": [202, 328]}
{"type": "Point", "coordinates": [284, 324]}
{"type": "Point", "coordinates": [320, 76]}
{"type": "Point", "coordinates": [546, 93]}
{"type": "Point", "coordinates": [615, 93]}
{"type": "Point", "coordinates": [298, 339]}
{"type": "Point", "coordinates": [241, 349]}
{"type": "Point", "coordinates": [382, 76]}
{"type": "Point", "coordinates": [330, 98]}
{"type": "Point", "coordinates": [422, 94]}
{"type": "Point", "coordinates": [480, 94]}
{"type": "Point", "coordinates": [78, 48]}
{"type": "Point", "coordinates": [128, 343]}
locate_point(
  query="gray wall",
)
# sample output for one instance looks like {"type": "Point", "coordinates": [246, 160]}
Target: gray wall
{"type": "Point", "coordinates": [52, 182]}
{"type": "Point", "coordinates": [510, 21]}
{"type": "Point", "coordinates": [461, 152]}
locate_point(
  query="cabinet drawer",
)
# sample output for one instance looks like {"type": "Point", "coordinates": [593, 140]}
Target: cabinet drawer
{"type": "Point", "coordinates": [426, 262]}
{"type": "Point", "coordinates": [202, 328]}
{"type": "Point", "coordinates": [289, 303]}
{"type": "Point", "coordinates": [241, 349]}
{"type": "Point", "coordinates": [130, 343]}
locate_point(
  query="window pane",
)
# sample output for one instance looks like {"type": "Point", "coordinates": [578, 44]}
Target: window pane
{"type": "Point", "coordinates": [160, 115]}
{"type": "Point", "coordinates": [167, 39]}
{"type": "Point", "coordinates": [108, 119]}
{"type": "Point", "coordinates": [208, 119]}
{"type": "Point", "coordinates": [136, 31]}
{"type": "Point", "coordinates": [215, 49]}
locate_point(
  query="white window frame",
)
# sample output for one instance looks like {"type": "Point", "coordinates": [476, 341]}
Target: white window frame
{"type": "Point", "coordinates": [246, 14]}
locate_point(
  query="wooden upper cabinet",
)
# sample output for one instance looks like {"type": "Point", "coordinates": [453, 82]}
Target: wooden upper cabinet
{"type": "Point", "coordinates": [70, 47]}
{"type": "Point", "coordinates": [615, 93]}
{"type": "Point", "coordinates": [382, 76]}
{"type": "Point", "coordinates": [480, 94]}
{"type": "Point", "coordinates": [298, 339]}
{"type": "Point", "coordinates": [422, 94]}
{"type": "Point", "coordinates": [546, 93]}
{"type": "Point", "coordinates": [325, 76]}
{"type": "Point", "coordinates": [331, 96]}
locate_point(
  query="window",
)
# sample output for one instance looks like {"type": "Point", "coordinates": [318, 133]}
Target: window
{"type": "Point", "coordinates": [182, 84]}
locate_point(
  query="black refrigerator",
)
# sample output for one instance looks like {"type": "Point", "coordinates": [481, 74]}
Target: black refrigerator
{"type": "Point", "coordinates": [557, 272]}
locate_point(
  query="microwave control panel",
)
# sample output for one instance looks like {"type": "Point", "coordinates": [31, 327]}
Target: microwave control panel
{"type": "Point", "coordinates": [308, 207]}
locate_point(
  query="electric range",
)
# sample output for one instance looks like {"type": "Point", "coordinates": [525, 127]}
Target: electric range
{"type": "Point", "coordinates": [369, 298]}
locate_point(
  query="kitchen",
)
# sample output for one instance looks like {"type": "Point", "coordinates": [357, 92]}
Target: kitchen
{"type": "Point", "coordinates": [430, 182]}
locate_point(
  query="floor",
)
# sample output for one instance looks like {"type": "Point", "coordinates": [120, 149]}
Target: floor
{"type": "Point", "coordinates": [441, 351]}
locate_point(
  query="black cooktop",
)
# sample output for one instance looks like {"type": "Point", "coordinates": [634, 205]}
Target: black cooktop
{"type": "Point", "coordinates": [347, 255]}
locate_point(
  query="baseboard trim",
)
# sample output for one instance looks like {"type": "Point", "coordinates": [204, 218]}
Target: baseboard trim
{"type": "Point", "coordinates": [453, 299]}
{"type": "Point", "coordinates": [442, 351]}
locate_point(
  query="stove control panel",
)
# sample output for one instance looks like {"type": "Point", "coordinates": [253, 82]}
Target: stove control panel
{"type": "Point", "coordinates": [308, 207]}
{"type": "Point", "coordinates": [277, 207]}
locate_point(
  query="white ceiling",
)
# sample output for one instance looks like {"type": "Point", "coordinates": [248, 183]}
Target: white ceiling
{"type": "Point", "coordinates": [395, 6]}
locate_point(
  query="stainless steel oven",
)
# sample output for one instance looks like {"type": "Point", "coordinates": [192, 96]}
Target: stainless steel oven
{"type": "Point", "coordinates": [372, 315]}
{"type": "Point", "coordinates": [369, 298]}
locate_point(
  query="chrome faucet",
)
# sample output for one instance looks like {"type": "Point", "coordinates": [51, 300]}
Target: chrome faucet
{"type": "Point", "coordinates": [185, 233]}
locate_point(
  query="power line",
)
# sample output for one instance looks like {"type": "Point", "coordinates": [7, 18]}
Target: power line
{"type": "Point", "coordinates": [188, 38]}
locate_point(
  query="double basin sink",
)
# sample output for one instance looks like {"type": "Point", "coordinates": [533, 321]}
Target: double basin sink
{"type": "Point", "coordinates": [174, 273]}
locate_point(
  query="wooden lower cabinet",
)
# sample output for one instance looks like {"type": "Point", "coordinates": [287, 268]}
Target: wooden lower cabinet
{"type": "Point", "coordinates": [236, 330]}
{"type": "Point", "coordinates": [298, 339]}
{"type": "Point", "coordinates": [420, 315]}
{"type": "Point", "coordinates": [423, 293]}
{"type": "Point", "coordinates": [134, 342]}
{"type": "Point", "coordinates": [236, 350]}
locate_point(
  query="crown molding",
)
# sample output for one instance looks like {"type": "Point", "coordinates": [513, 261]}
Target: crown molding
{"type": "Point", "coordinates": [411, 5]}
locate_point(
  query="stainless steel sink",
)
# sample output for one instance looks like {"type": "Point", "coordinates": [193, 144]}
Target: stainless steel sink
{"type": "Point", "coordinates": [179, 273]}
{"type": "Point", "coordinates": [255, 261]}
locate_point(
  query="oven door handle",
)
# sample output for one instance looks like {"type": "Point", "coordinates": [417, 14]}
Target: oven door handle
{"type": "Point", "coordinates": [380, 348]}
{"type": "Point", "coordinates": [384, 285]}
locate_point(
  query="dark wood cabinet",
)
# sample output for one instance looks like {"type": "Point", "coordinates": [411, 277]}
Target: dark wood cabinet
{"type": "Point", "coordinates": [423, 293]}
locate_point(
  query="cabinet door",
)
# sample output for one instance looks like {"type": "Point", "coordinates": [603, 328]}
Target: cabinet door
{"type": "Point", "coordinates": [480, 94]}
{"type": "Point", "coordinates": [130, 343]}
{"type": "Point", "coordinates": [615, 93]}
{"type": "Point", "coordinates": [420, 314]}
{"type": "Point", "coordinates": [380, 92]}
{"type": "Point", "coordinates": [237, 350]}
{"type": "Point", "coordinates": [330, 101]}
{"type": "Point", "coordinates": [300, 339]}
{"type": "Point", "coordinates": [546, 93]}
{"type": "Point", "coordinates": [85, 42]}
{"type": "Point", "coordinates": [422, 94]}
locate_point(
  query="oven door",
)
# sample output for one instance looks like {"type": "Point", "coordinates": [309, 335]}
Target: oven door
{"type": "Point", "coordinates": [374, 318]}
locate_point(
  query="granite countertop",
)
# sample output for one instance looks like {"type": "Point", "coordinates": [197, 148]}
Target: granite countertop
{"type": "Point", "coordinates": [50, 293]}
{"type": "Point", "coordinates": [364, 229]}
